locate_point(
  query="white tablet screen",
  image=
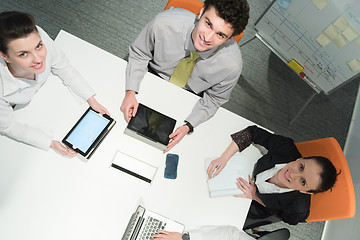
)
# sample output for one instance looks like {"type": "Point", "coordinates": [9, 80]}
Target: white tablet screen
{"type": "Point", "coordinates": [87, 131]}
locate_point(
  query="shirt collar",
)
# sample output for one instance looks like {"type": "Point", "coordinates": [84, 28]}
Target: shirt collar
{"type": "Point", "coordinates": [266, 187]}
{"type": "Point", "coordinates": [9, 82]}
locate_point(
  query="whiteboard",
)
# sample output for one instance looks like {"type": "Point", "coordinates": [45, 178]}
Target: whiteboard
{"type": "Point", "coordinates": [323, 36]}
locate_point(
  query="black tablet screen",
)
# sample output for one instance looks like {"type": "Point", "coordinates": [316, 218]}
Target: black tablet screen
{"type": "Point", "coordinates": [152, 124]}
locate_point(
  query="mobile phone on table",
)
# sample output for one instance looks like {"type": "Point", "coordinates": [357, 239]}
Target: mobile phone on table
{"type": "Point", "coordinates": [172, 161]}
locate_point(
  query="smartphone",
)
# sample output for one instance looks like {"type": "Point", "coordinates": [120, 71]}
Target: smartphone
{"type": "Point", "coordinates": [172, 161]}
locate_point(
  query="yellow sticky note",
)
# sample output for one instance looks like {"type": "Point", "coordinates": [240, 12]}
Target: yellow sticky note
{"type": "Point", "coordinates": [295, 66]}
{"type": "Point", "coordinates": [354, 65]}
{"type": "Point", "coordinates": [350, 33]}
{"type": "Point", "coordinates": [323, 40]}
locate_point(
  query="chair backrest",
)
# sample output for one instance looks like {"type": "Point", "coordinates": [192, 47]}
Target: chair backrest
{"type": "Point", "coordinates": [340, 202]}
{"type": "Point", "coordinates": [195, 7]}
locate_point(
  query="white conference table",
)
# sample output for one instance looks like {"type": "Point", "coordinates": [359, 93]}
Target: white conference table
{"type": "Point", "coordinates": [44, 195]}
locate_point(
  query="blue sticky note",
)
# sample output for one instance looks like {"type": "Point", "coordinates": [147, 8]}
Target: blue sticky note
{"type": "Point", "coordinates": [284, 3]}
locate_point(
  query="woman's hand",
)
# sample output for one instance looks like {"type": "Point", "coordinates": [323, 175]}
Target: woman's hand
{"type": "Point", "coordinates": [216, 166]}
{"type": "Point", "coordinates": [248, 188]}
{"type": "Point", "coordinates": [97, 106]}
{"type": "Point", "coordinates": [162, 234]}
{"type": "Point", "coordinates": [57, 146]}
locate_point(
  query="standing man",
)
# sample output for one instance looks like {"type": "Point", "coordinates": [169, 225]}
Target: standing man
{"type": "Point", "coordinates": [206, 40]}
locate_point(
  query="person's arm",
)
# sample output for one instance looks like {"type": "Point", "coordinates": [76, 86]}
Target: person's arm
{"type": "Point", "coordinates": [205, 108]}
{"type": "Point", "coordinates": [212, 99]}
{"type": "Point", "coordinates": [224, 232]}
{"type": "Point", "coordinates": [33, 136]}
{"type": "Point", "coordinates": [217, 165]}
{"type": "Point", "coordinates": [13, 129]}
{"type": "Point", "coordinates": [240, 141]}
{"type": "Point", "coordinates": [140, 53]}
{"type": "Point", "coordinates": [60, 66]}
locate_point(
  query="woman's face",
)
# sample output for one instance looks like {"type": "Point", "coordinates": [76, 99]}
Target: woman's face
{"type": "Point", "coordinates": [302, 175]}
{"type": "Point", "coordinates": [26, 55]}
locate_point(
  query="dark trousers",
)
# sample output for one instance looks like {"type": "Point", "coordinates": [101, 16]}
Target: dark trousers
{"type": "Point", "coordinates": [258, 215]}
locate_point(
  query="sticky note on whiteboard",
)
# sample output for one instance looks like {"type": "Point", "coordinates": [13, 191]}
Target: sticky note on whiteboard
{"type": "Point", "coordinates": [340, 41]}
{"type": "Point", "coordinates": [354, 65]}
{"type": "Point", "coordinates": [295, 66]}
{"type": "Point", "coordinates": [133, 167]}
{"type": "Point", "coordinates": [323, 40]}
{"type": "Point", "coordinates": [320, 4]}
{"type": "Point", "coordinates": [331, 32]}
{"type": "Point", "coordinates": [350, 33]}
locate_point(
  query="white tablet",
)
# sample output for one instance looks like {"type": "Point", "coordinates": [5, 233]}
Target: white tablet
{"type": "Point", "coordinates": [88, 132]}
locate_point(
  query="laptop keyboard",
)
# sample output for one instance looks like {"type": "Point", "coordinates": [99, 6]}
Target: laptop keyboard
{"type": "Point", "coordinates": [151, 226]}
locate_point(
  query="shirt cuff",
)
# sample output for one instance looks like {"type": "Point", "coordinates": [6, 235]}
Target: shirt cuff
{"type": "Point", "coordinates": [242, 139]}
{"type": "Point", "coordinates": [195, 235]}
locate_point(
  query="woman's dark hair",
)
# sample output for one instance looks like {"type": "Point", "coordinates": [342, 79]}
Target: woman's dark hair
{"type": "Point", "coordinates": [235, 12]}
{"type": "Point", "coordinates": [328, 174]}
{"type": "Point", "coordinates": [14, 25]}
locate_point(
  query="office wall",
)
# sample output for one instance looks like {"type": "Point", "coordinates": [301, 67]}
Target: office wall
{"type": "Point", "coordinates": [349, 228]}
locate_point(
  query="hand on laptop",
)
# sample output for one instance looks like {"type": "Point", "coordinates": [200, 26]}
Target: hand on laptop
{"type": "Point", "coordinates": [167, 235]}
{"type": "Point", "coordinates": [176, 137]}
{"type": "Point", "coordinates": [129, 105]}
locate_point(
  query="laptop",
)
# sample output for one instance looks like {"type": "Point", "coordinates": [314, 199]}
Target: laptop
{"type": "Point", "coordinates": [144, 223]}
{"type": "Point", "coordinates": [151, 127]}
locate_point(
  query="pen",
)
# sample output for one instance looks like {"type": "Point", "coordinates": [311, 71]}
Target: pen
{"type": "Point", "coordinates": [217, 167]}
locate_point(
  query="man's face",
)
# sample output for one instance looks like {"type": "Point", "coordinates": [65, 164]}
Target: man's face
{"type": "Point", "coordinates": [211, 30]}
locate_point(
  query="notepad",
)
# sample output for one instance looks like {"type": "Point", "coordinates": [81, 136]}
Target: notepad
{"type": "Point", "coordinates": [224, 184]}
{"type": "Point", "coordinates": [133, 167]}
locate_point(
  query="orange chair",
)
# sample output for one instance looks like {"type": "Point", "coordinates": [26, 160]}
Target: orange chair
{"type": "Point", "coordinates": [195, 7]}
{"type": "Point", "coordinates": [340, 202]}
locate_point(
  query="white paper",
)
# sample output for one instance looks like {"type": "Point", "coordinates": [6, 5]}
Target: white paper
{"type": "Point", "coordinates": [134, 165]}
{"type": "Point", "coordinates": [224, 184]}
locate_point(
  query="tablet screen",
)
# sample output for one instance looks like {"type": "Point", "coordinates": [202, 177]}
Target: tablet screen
{"type": "Point", "coordinates": [152, 124]}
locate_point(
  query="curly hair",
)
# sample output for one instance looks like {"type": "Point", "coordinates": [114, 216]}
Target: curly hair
{"type": "Point", "coordinates": [235, 12]}
{"type": "Point", "coordinates": [14, 25]}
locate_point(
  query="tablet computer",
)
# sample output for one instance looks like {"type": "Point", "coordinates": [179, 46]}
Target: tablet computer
{"type": "Point", "coordinates": [151, 127]}
{"type": "Point", "coordinates": [88, 132]}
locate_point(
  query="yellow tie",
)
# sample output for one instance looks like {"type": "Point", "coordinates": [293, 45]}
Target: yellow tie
{"type": "Point", "coordinates": [184, 69]}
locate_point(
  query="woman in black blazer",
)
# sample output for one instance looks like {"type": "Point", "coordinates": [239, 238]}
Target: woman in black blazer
{"type": "Point", "coordinates": [288, 179]}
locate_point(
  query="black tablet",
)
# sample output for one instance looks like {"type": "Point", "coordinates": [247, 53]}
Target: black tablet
{"type": "Point", "coordinates": [151, 126]}
{"type": "Point", "coordinates": [88, 132]}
